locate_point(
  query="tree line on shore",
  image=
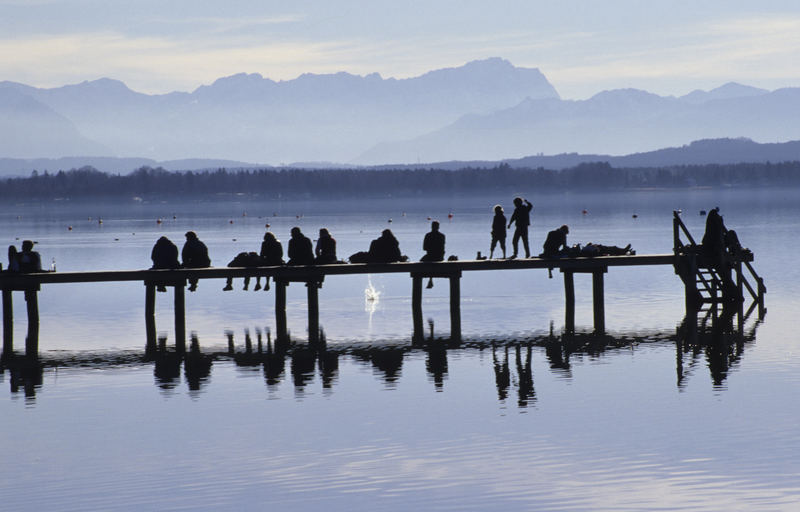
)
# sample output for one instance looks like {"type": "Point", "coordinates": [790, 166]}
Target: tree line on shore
{"type": "Point", "coordinates": [150, 182]}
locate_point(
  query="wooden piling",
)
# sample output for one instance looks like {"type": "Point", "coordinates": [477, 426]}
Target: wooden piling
{"type": "Point", "coordinates": [8, 323]}
{"type": "Point", "coordinates": [180, 317]}
{"type": "Point", "coordinates": [313, 311]}
{"type": "Point", "coordinates": [281, 333]}
{"type": "Point", "coordinates": [598, 292]}
{"type": "Point", "coordinates": [150, 316]}
{"type": "Point", "coordinates": [416, 307]}
{"type": "Point", "coordinates": [32, 340]}
{"type": "Point", "coordinates": [455, 307]}
{"type": "Point", "coordinates": [569, 295]}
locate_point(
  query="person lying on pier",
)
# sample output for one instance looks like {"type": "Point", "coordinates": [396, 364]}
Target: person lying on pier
{"type": "Point", "coordinates": [245, 259]}
{"type": "Point", "coordinates": [498, 231]}
{"type": "Point", "coordinates": [591, 250]}
{"type": "Point", "coordinates": [194, 255]}
{"type": "Point", "coordinates": [325, 250]}
{"type": "Point", "coordinates": [13, 259]}
{"type": "Point", "coordinates": [29, 260]}
{"type": "Point", "coordinates": [522, 216]}
{"type": "Point", "coordinates": [555, 245]}
{"type": "Point", "coordinates": [271, 256]}
{"type": "Point", "coordinates": [384, 249]}
{"type": "Point", "coordinates": [164, 256]}
{"type": "Point", "coordinates": [300, 251]}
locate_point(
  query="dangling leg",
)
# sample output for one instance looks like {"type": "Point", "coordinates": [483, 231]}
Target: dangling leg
{"type": "Point", "coordinates": [258, 284]}
{"type": "Point", "coordinates": [228, 285]}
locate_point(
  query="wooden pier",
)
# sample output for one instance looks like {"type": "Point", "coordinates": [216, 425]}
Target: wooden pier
{"type": "Point", "coordinates": [686, 258]}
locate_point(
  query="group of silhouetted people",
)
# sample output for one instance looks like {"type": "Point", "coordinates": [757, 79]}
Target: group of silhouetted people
{"type": "Point", "coordinates": [26, 260]}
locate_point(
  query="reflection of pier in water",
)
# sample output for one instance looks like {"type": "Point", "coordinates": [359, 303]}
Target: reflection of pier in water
{"type": "Point", "coordinates": [719, 347]}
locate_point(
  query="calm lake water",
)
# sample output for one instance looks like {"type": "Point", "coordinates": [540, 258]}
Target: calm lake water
{"type": "Point", "coordinates": [518, 417]}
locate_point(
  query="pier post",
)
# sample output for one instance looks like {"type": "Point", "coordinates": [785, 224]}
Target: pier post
{"type": "Point", "coordinates": [688, 273]}
{"type": "Point", "coordinates": [150, 316]}
{"type": "Point", "coordinates": [8, 323]}
{"type": "Point", "coordinates": [416, 307]}
{"type": "Point", "coordinates": [281, 333]}
{"type": "Point", "coordinates": [569, 295]}
{"type": "Point", "coordinates": [313, 311]}
{"type": "Point", "coordinates": [455, 307]}
{"type": "Point", "coordinates": [32, 340]}
{"type": "Point", "coordinates": [740, 296]}
{"type": "Point", "coordinates": [180, 317]}
{"type": "Point", "coordinates": [598, 292]}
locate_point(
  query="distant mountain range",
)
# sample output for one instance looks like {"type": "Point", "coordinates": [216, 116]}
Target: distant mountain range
{"type": "Point", "coordinates": [701, 152]}
{"type": "Point", "coordinates": [486, 110]}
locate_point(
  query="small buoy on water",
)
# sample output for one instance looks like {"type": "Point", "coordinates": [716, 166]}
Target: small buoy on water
{"type": "Point", "coordinates": [585, 212]}
{"type": "Point", "coordinates": [635, 216]}
{"type": "Point", "coordinates": [389, 221]}
{"type": "Point", "coordinates": [266, 225]}
{"type": "Point", "coordinates": [429, 218]}
{"type": "Point", "coordinates": [702, 212]}
{"type": "Point", "coordinates": [230, 221]}
{"type": "Point", "coordinates": [69, 228]}
{"type": "Point", "coordinates": [449, 215]}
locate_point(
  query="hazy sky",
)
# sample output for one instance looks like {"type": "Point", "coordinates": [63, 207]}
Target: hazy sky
{"type": "Point", "coordinates": [583, 47]}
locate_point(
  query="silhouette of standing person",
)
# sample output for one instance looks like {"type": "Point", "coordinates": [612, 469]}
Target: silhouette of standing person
{"type": "Point", "coordinates": [522, 216]}
{"type": "Point", "coordinates": [555, 244]}
{"type": "Point", "coordinates": [194, 255]}
{"type": "Point", "coordinates": [714, 247]}
{"type": "Point", "coordinates": [325, 250]}
{"type": "Point", "coordinates": [164, 256]}
{"type": "Point", "coordinates": [498, 231]}
{"type": "Point", "coordinates": [300, 252]}
{"type": "Point", "coordinates": [29, 260]}
{"type": "Point", "coordinates": [433, 244]}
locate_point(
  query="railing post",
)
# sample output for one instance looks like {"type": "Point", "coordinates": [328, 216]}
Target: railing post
{"type": "Point", "coordinates": [569, 300]}
{"type": "Point", "coordinates": [416, 307]}
{"type": "Point", "coordinates": [740, 292]}
{"type": "Point", "coordinates": [455, 307]}
{"type": "Point", "coordinates": [8, 323]}
{"type": "Point", "coordinates": [180, 317]}
{"type": "Point", "coordinates": [313, 311]}
{"type": "Point", "coordinates": [32, 340]}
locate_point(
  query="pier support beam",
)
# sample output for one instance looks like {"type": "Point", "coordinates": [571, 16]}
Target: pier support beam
{"type": "Point", "coordinates": [598, 295]}
{"type": "Point", "coordinates": [416, 308]}
{"type": "Point", "coordinates": [32, 340]}
{"type": "Point", "coordinates": [280, 310]}
{"type": "Point", "coordinates": [569, 296]}
{"type": "Point", "coordinates": [455, 307]}
{"type": "Point", "coordinates": [150, 317]}
{"type": "Point", "coordinates": [8, 323]}
{"type": "Point", "coordinates": [313, 311]}
{"type": "Point", "coordinates": [180, 317]}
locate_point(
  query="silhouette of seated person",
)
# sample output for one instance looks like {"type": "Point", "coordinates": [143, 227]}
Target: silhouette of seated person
{"type": "Point", "coordinates": [300, 250]}
{"type": "Point", "coordinates": [271, 256]}
{"type": "Point", "coordinates": [13, 259]}
{"type": "Point", "coordinates": [244, 259]}
{"type": "Point", "coordinates": [29, 260]}
{"type": "Point", "coordinates": [164, 256]}
{"type": "Point", "coordinates": [433, 244]}
{"type": "Point", "coordinates": [555, 245]}
{"type": "Point", "coordinates": [384, 249]}
{"type": "Point", "coordinates": [325, 250]}
{"type": "Point", "coordinates": [194, 255]}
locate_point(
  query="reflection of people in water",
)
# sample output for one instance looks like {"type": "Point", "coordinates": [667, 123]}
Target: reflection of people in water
{"type": "Point", "coordinates": [522, 216]}
{"type": "Point", "coordinates": [389, 361]}
{"type": "Point", "coordinates": [436, 364]}
{"type": "Point", "coordinates": [433, 244]}
{"type": "Point", "coordinates": [498, 231]}
{"type": "Point", "coordinates": [325, 250]}
{"type": "Point", "coordinates": [502, 373]}
{"type": "Point", "coordinates": [328, 367]}
{"type": "Point", "coordinates": [194, 255]}
{"type": "Point", "coordinates": [555, 245]}
{"type": "Point", "coordinates": [525, 375]}
{"type": "Point", "coordinates": [303, 361]}
{"type": "Point", "coordinates": [300, 251]}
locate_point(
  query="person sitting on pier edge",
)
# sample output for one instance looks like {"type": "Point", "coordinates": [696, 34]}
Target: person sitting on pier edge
{"type": "Point", "coordinates": [300, 251]}
{"type": "Point", "coordinates": [164, 256]}
{"type": "Point", "coordinates": [433, 245]}
{"type": "Point", "coordinates": [13, 259]}
{"type": "Point", "coordinates": [498, 231]}
{"type": "Point", "coordinates": [271, 256]}
{"type": "Point", "coordinates": [194, 255]}
{"type": "Point", "coordinates": [29, 260]}
{"type": "Point", "coordinates": [714, 247]}
{"type": "Point", "coordinates": [555, 245]}
{"type": "Point", "coordinates": [522, 216]}
{"type": "Point", "coordinates": [244, 259]}
{"type": "Point", "coordinates": [325, 250]}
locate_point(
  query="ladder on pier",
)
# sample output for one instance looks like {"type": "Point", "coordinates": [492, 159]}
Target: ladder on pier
{"type": "Point", "coordinates": [708, 285]}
